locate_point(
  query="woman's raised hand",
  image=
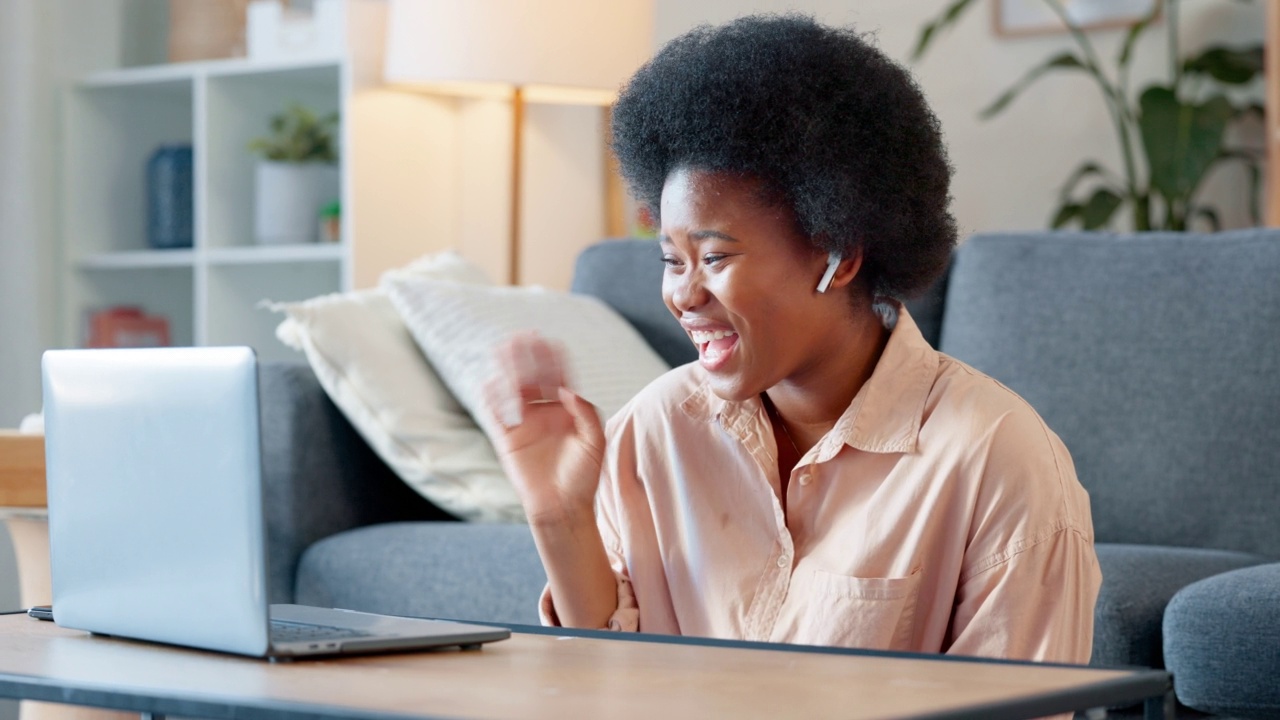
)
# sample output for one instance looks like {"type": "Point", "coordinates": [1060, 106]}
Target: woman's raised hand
{"type": "Point", "coordinates": [551, 442]}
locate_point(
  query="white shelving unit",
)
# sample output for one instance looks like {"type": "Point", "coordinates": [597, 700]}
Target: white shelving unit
{"type": "Point", "coordinates": [210, 293]}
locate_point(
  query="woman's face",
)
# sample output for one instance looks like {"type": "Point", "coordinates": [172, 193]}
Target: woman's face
{"type": "Point", "coordinates": [741, 278]}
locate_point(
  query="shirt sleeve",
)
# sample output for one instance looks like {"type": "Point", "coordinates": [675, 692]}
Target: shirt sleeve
{"type": "Point", "coordinates": [1035, 605]}
{"type": "Point", "coordinates": [1028, 592]}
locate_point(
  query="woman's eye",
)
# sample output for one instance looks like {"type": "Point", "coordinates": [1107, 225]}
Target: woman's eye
{"type": "Point", "coordinates": [670, 261]}
{"type": "Point", "coordinates": [712, 258]}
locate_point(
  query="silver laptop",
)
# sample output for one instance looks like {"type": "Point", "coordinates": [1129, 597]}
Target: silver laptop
{"type": "Point", "coordinates": [155, 511]}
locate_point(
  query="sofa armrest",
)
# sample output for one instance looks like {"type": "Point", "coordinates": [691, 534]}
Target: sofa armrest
{"type": "Point", "coordinates": [319, 475]}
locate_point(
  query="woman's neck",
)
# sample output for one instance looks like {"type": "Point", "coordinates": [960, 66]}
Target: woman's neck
{"type": "Point", "coordinates": [810, 402]}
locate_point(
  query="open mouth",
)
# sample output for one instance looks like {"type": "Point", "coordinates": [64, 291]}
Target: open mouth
{"type": "Point", "coordinates": [714, 346]}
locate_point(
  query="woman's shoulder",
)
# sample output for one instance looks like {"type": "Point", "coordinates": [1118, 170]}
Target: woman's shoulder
{"type": "Point", "coordinates": [960, 388]}
{"type": "Point", "coordinates": [991, 429]}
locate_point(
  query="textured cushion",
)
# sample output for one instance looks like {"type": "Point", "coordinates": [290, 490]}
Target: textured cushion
{"type": "Point", "coordinates": [370, 367]}
{"type": "Point", "coordinates": [1137, 582]}
{"type": "Point", "coordinates": [442, 570]}
{"type": "Point", "coordinates": [458, 326]}
{"type": "Point", "coordinates": [1222, 643]}
{"type": "Point", "coordinates": [1154, 356]}
{"type": "Point", "coordinates": [627, 276]}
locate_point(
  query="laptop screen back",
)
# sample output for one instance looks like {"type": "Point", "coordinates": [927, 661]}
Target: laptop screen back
{"type": "Point", "coordinates": [155, 500]}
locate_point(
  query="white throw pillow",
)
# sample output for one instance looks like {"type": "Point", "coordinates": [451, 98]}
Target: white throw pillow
{"type": "Point", "coordinates": [372, 369]}
{"type": "Point", "coordinates": [457, 326]}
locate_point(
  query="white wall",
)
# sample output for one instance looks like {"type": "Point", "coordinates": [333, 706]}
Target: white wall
{"type": "Point", "coordinates": [1009, 169]}
{"type": "Point", "coordinates": [26, 216]}
{"type": "Point", "coordinates": [42, 46]}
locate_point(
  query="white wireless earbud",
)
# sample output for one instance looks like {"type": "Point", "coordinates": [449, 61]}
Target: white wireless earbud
{"type": "Point", "coordinates": [833, 262]}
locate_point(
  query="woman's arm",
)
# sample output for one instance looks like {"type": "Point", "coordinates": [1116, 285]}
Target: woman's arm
{"type": "Point", "coordinates": [552, 447]}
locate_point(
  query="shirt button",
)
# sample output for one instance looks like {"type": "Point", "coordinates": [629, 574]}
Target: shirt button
{"type": "Point", "coordinates": [783, 561]}
{"type": "Point", "coordinates": [806, 477]}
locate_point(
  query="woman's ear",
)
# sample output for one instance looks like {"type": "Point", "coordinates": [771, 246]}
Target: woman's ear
{"type": "Point", "coordinates": [840, 270]}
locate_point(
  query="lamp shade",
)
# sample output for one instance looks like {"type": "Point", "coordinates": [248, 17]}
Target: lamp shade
{"type": "Point", "coordinates": [583, 44]}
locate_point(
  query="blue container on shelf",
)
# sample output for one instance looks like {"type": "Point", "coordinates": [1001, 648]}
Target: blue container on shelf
{"type": "Point", "coordinates": [170, 221]}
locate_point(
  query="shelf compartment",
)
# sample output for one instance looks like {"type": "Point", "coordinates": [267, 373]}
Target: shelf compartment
{"type": "Point", "coordinates": [238, 293]}
{"type": "Point", "coordinates": [112, 132]}
{"type": "Point", "coordinates": [167, 291]}
{"type": "Point", "coordinates": [239, 109]}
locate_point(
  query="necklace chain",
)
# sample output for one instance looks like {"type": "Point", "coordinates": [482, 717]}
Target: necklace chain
{"type": "Point", "coordinates": [773, 412]}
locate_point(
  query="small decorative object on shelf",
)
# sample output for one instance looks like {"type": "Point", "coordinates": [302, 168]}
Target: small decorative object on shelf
{"type": "Point", "coordinates": [277, 32]}
{"type": "Point", "coordinates": [206, 29]}
{"type": "Point", "coordinates": [331, 223]}
{"type": "Point", "coordinates": [297, 177]}
{"type": "Point", "coordinates": [126, 326]}
{"type": "Point", "coordinates": [169, 197]}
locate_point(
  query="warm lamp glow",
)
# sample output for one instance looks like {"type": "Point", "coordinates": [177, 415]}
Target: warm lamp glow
{"type": "Point", "coordinates": [577, 52]}
{"type": "Point", "coordinates": [563, 44]}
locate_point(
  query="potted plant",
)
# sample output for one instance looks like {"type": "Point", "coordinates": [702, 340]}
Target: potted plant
{"type": "Point", "coordinates": [1170, 134]}
{"type": "Point", "coordinates": [297, 175]}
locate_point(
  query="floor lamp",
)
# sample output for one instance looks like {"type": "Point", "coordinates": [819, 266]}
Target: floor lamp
{"type": "Point", "coordinates": [530, 51]}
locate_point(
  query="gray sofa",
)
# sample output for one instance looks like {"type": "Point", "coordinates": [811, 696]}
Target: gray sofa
{"type": "Point", "coordinates": [1155, 357]}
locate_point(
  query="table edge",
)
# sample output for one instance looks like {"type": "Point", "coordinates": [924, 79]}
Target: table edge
{"type": "Point", "coordinates": [1135, 686]}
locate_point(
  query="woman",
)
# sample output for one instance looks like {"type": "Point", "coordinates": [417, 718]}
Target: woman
{"type": "Point", "coordinates": [821, 475]}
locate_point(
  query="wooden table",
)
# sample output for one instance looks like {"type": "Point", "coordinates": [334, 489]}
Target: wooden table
{"type": "Point", "coordinates": [551, 675]}
{"type": "Point", "coordinates": [22, 510]}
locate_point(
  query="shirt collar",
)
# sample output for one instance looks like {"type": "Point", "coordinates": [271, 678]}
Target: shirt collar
{"type": "Point", "coordinates": [884, 417]}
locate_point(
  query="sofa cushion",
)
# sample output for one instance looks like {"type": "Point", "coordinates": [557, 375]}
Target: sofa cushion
{"type": "Point", "coordinates": [457, 326]}
{"type": "Point", "coordinates": [1137, 583]}
{"type": "Point", "coordinates": [448, 570]}
{"type": "Point", "coordinates": [370, 366]}
{"type": "Point", "coordinates": [1154, 356]}
{"type": "Point", "coordinates": [1222, 643]}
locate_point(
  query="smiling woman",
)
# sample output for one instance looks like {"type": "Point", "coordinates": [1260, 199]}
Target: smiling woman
{"type": "Point", "coordinates": [821, 475]}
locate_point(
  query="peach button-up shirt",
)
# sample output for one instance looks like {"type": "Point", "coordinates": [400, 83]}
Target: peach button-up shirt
{"type": "Point", "coordinates": [940, 514]}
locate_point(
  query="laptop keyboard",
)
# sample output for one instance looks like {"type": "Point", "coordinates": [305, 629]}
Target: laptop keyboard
{"type": "Point", "coordinates": [282, 631]}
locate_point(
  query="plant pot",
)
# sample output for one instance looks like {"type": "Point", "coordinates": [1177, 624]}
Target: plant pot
{"type": "Point", "coordinates": [289, 199]}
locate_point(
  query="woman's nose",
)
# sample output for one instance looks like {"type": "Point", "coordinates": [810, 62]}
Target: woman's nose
{"type": "Point", "coordinates": [687, 291]}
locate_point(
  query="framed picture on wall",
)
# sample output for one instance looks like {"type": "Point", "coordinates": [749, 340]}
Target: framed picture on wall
{"type": "Point", "coordinates": [1035, 17]}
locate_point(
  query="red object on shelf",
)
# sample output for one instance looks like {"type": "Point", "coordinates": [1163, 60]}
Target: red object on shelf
{"type": "Point", "coordinates": [127, 326]}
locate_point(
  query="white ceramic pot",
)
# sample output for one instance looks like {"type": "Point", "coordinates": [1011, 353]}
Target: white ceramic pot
{"type": "Point", "coordinates": [289, 198]}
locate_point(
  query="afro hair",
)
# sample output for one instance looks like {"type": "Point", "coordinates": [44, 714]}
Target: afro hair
{"type": "Point", "coordinates": [834, 128]}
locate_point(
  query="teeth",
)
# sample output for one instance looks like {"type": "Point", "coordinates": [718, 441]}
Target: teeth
{"type": "Point", "coordinates": [702, 337]}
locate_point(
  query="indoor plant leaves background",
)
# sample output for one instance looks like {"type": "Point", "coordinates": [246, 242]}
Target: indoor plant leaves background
{"type": "Point", "coordinates": [1180, 128]}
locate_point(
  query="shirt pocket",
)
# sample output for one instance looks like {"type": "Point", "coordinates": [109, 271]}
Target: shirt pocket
{"type": "Point", "coordinates": [846, 611]}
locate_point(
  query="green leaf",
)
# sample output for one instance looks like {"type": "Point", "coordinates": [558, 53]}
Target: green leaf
{"type": "Point", "coordinates": [299, 134]}
{"type": "Point", "coordinates": [1064, 60]}
{"type": "Point", "coordinates": [1135, 30]}
{"type": "Point", "coordinates": [1181, 140]}
{"type": "Point", "coordinates": [1227, 65]}
{"type": "Point", "coordinates": [1097, 212]}
{"type": "Point", "coordinates": [1068, 212]}
{"type": "Point", "coordinates": [1085, 170]}
{"type": "Point", "coordinates": [945, 20]}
